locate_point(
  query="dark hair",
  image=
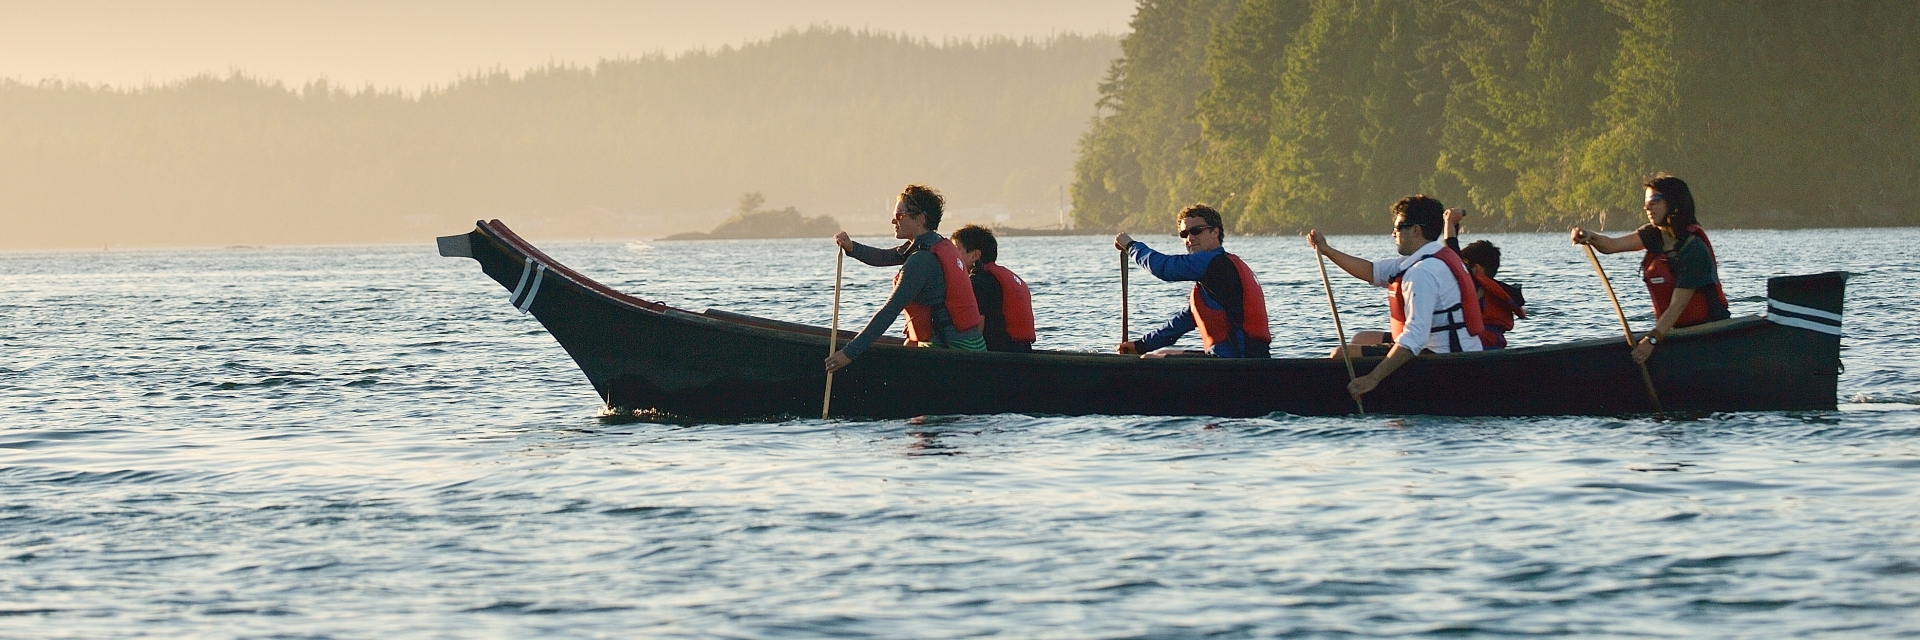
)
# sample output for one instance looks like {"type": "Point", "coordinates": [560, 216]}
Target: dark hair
{"type": "Point", "coordinates": [1203, 212]}
{"type": "Point", "coordinates": [1424, 211]}
{"type": "Point", "coordinates": [1482, 253]}
{"type": "Point", "coordinates": [923, 200]}
{"type": "Point", "coordinates": [975, 237]}
{"type": "Point", "coordinates": [1680, 214]}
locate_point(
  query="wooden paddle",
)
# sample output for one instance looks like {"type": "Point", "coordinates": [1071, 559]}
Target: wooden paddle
{"type": "Point", "coordinates": [1645, 378]}
{"type": "Point", "coordinates": [833, 334]}
{"type": "Point", "coordinates": [1338, 330]}
{"type": "Point", "coordinates": [1124, 333]}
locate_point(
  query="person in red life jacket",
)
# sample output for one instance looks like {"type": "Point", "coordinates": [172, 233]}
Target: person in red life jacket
{"type": "Point", "coordinates": [1680, 270]}
{"type": "Point", "coordinates": [1500, 303]}
{"type": "Point", "coordinates": [931, 286]}
{"type": "Point", "coordinates": [1006, 305]}
{"type": "Point", "coordinates": [1226, 303]}
{"type": "Point", "coordinates": [1426, 288]}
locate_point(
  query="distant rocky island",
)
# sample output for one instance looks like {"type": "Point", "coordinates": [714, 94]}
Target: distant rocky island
{"type": "Point", "coordinates": [750, 221]}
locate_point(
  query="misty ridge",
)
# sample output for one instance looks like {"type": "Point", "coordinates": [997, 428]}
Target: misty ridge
{"type": "Point", "coordinates": [1534, 114]}
{"type": "Point", "coordinates": [828, 121]}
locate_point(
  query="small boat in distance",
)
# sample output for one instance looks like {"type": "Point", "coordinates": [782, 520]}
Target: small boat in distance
{"type": "Point", "coordinates": [644, 356]}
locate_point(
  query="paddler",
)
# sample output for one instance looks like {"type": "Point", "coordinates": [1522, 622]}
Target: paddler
{"type": "Point", "coordinates": [1680, 270]}
{"type": "Point", "coordinates": [1425, 289]}
{"type": "Point", "coordinates": [1500, 303]}
{"type": "Point", "coordinates": [1006, 305]}
{"type": "Point", "coordinates": [931, 286]}
{"type": "Point", "coordinates": [1226, 303]}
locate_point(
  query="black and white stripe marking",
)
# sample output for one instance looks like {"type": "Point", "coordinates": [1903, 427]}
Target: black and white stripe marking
{"type": "Point", "coordinates": [1808, 318]}
{"type": "Point", "coordinates": [535, 272]}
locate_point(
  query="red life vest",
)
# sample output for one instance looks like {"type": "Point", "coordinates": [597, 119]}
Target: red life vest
{"type": "Point", "coordinates": [1658, 274]}
{"type": "Point", "coordinates": [1497, 311]}
{"type": "Point", "coordinates": [1216, 327]}
{"type": "Point", "coordinates": [961, 306]}
{"type": "Point", "coordinates": [1496, 305]}
{"type": "Point", "coordinates": [1016, 302]}
{"type": "Point", "coordinates": [1470, 313]}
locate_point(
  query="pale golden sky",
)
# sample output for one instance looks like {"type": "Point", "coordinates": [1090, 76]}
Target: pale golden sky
{"type": "Point", "coordinates": [409, 44]}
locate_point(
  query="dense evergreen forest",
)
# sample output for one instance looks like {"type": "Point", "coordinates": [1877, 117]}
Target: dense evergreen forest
{"type": "Point", "coordinates": [1533, 113]}
{"type": "Point", "coordinates": [830, 121]}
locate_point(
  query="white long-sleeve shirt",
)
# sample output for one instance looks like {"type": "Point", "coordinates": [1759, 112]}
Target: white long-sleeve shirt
{"type": "Point", "coordinates": [1427, 287]}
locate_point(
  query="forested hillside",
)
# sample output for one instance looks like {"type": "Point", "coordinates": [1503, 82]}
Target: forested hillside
{"type": "Point", "coordinates": [1535, 113]}
{"type": "Point", "coordinates": [830, 121]}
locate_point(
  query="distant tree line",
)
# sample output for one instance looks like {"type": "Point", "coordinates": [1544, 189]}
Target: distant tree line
{"type": "Point", "coordinates": [1290, 114]}
{"type": "Point", "coordinates": [832, 120]}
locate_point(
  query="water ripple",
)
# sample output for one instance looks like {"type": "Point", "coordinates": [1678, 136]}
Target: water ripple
{"type": "Point", "coordinates": [365, 441]}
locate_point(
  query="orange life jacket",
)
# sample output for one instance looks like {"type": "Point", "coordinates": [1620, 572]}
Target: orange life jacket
{"type": "Point", "coordinates": [1497, 308]}
{"type": "Point", "coordinates": [1658, 274]}
{"type": "Point", "coordinates": [1016, 302]}
{"type": "Point", "coordinates": [1216, 327]}
{"type": "Point", "coordinates": [1497, 311]}
{"type": "Point", "coordinates": [961, 307]}
{"type": "Point", "coordinates": [1470, 313]}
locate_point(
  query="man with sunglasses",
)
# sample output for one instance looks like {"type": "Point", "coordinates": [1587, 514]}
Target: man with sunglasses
{"type": "Point", "coordinates": [931, 287]}
{"type": "Point", "coordinates": [1226, 303]}
{"type": "Point", "coordinates": [1424, 296]}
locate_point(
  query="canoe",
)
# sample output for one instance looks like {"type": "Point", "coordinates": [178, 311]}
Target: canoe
{"type": "Point", "coordinates": [649, 358]}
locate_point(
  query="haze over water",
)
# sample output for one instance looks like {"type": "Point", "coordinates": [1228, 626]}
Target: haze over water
{"type": "Point", "coordinates": [367, 441]}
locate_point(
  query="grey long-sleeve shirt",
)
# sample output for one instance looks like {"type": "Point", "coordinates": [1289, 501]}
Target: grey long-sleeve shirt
{"type": "Point", "coordinates": [921, 280]}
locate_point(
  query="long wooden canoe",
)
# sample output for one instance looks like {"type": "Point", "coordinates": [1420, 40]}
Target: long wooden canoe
{"type": "Point", "coordinates": [644, 356]}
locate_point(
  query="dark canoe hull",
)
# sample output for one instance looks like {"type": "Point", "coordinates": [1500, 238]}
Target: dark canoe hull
{"type": "Point", "coordinates": [642, 355]}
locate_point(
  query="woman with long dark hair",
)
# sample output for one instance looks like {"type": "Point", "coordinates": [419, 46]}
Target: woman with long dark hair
{"type": "Point", "coordinates": [1679, 269]}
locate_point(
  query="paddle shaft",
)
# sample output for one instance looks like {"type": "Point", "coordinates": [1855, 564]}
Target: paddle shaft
{"type": "Point", "coordinates": [1124, 333]}
{"type": "Point", "coordinates": [1338, 330]}
{"type": "Point", "coordinates": [1645, 378]}
{"type": "Point", "coordinates": [833, 334]}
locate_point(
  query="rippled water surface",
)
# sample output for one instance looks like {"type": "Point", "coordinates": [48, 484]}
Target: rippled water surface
{"type": "Point", "coordinates": [369, 442]}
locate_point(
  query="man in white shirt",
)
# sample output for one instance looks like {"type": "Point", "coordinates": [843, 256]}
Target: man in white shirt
{"type": "Point", "coordinates": [1426, 289]}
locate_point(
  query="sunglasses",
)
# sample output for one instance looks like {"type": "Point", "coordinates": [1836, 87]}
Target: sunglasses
{"type": "Point", "coordinates": [1656, 198]}
{"type": "Point", "coordinates": [1405, 226]}
{"type": "Point", "coordinates": [1194, 231]}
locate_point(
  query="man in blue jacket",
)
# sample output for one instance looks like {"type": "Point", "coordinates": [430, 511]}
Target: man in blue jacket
{"type": "Point", "coordinates": [1226, 303]}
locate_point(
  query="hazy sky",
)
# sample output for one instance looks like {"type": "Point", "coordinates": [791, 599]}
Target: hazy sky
{"type": "Point", "coordinates": [413, 43]}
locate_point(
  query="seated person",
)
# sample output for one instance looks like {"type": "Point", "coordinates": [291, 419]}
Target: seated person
{"type": "Point", "coordinates": [1226, 303]}
{"type": "Point", "coordinates": [1679, 267]}
{"type": "Point", "coordinates": [931, 286]}
{"type": "Point", "coordinates": [1425, 297]}
{"type": "Point", "coordinates": [1006, 305]}
{"type": "Point", "coordinates": [1500, 303]}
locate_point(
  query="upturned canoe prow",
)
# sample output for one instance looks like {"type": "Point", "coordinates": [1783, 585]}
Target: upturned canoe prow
{"type": "Point", "coordinates": [641, 355]}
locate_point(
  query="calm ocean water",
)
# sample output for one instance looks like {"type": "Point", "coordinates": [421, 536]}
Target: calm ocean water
{"type": "Point", "coordinates": [369, 442]}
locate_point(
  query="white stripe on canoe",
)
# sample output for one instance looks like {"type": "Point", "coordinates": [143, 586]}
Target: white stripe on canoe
{"type": "Point", "coordinates": [1804, 324]}
{"type": "Point", "coordinates": [538, 277]}
{"type": "Point", "coordinates": [525, 270]}
{"type": "Point", "coordinates": [1805, 311]}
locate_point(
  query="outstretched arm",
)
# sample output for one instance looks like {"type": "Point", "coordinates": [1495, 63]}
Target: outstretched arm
{"type": "Point", "coordinates": [1183, 267]}
{"type": "Point", "coordinates": [913, 278]}
{"type": "Point", "coordinates": [1604, 244]}
{"type": "Point", "coordinates": [1179, 325]}
{"type": "Point", "coordinates": [1676, 307]}
{"type": "Point", "coordinates": [1398, 356]}
{"type": "Point", "coordinates": [872, 256]}
{"type": "Point", "coordinates": [1354, 266]}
